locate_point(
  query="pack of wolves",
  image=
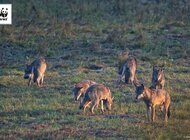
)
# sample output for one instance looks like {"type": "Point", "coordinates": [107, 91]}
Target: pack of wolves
{"type": "Point", "coordinates": [91, 94]}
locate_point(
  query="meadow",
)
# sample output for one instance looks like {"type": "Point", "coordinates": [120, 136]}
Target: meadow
{"type": "Point", "coordinates": [73, 36]}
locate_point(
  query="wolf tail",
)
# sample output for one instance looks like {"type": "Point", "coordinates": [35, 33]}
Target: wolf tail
{"type": "Point", "coordinates": [169, 113]}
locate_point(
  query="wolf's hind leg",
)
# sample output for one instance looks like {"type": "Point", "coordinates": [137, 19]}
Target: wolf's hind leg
{"type": "Point", "coordinates": [29, 82]}
{"type": "Point", "coordinates": [94, 104]}
{"type": "Point", "coordinates": [166, 113]}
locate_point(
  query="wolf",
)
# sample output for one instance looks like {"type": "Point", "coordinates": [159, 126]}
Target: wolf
{"type": "Point", "coordinates": [128, 69]}
{"type": "Point", "coordinates": [80, 89]}
{"type": "Point", "coordinates": [36, 71]}
{"type": "Point", "coordinates": [158, 78]}
{"type": "Point", "coordinates": [153, 98]}
{"type": "Point", "coordinates": [122, 57]}
{"type": "Point", "coordinates": [95, 94]}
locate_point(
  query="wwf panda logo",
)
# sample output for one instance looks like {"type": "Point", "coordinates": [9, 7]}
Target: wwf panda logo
{"type": "Point", "coordinates": [4, 12]}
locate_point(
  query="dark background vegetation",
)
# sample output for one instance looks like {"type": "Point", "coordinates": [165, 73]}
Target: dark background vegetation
{"type": "Point", "coordinates": [73, 34]}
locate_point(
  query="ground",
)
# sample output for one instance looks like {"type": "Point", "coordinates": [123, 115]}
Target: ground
{"type": "Point", "coordinates": [71, 46]}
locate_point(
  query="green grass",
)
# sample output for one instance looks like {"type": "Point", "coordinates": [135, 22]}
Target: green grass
{"type": "Point", "coordinates": [82, 33]}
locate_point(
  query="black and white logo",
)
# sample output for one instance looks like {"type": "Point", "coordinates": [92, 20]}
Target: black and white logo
{"type": "Point", "coordinates": [5, 13]}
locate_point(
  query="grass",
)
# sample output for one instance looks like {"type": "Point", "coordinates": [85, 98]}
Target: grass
{"type": "Point", "coordinates": [85, 33]}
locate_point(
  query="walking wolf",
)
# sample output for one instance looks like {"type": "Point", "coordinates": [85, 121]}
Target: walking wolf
{"type": "Point", "coordinates": [95, 94]}
{"type": "Point", "coordinates": [80, 89]}
{"type": "Point", "coordinates": [158, 78]}
{"type": "Point", "coordinates": [152, 98]}
{"type": "Point", "coordinates": [128, 69]}
{"type": "Point", "coordinates": [35, 71]}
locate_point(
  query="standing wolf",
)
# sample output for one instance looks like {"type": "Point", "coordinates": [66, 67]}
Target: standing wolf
{"type": "Point", "coordinates": [35, 71]}
{"type": "Point", "coordinates": [158, 78]}
{"type": "Point", "coordinates": [95, 94]}
{"type": "Point", "coordinates": [80, 89]}
{"type": "Point", "coordinates": [152, 98]}
{"type": "Point", "coordinates": [128, 69]}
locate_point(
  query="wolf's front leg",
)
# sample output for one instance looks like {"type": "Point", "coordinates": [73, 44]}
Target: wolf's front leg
{"type": "Point", "coordinates": [166, 113]}
{"type": "Point", "coordinates": [42, 80]}
{"type": "Point", "coordinates": [153, 113]}
{"type": "Point", "coordinates": [29, 82]}
{"type": "Point", "coordinates": [38, 81]}
{"type": "Point", "coordinates": [119, 79]}
{"type": "Point", "coordinates": [80, 100]}
{"type": "Point", "coordinates": [85, 106]}
{"type": "Point", "coordinates": [148, 113]}
{"type": "Point", "coordinates": [102, 106]}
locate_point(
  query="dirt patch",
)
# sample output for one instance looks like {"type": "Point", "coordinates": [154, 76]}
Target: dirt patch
{"type": "Point", "coordinates": [107, 132]}
{"type": "Point", "coordinates": [40, 126]}
{"type": "Point", "coordinates": [95, 67]}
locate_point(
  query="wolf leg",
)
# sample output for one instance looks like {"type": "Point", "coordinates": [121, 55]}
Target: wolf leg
{"type": "Point", "coordinates": [132, 76]}
{"type": "Point", "coordinates": [148, 113]}
{"type": "Point", "coordinates": [153, 113]}
{"type": "Point", "coordinates": [162, 108]}
{"type": "Point", "coordinates": [94, 104]}
{"type": "Point", "coordinates": [42, 80]}
{"type": "Point", "coordinates": [85, 102]}
{"type": "Point", "coordinates": [166, 113]}
{"type": "Point", "coordinates": [85, 105]}
{"type": "Point", "coordinates": [80, 100]}
{"type": "Point", "coordinates": [29, 82]}
{"type": "Point", "coordinates": [38, 81]}
{"type": "Point", "coordinates": [102, 106]}
{"type": "Point", "coordinates": [119, 79]}
{"type": "Point", "coordinates": [127, 77]}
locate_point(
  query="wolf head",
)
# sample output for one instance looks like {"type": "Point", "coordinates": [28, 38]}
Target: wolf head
{"type": "Point", "coordinates": [109, 103]}
{"type": "Point", "coordinates": [77, 92]}
{"type": "Point", "coordinates": [140, 92]}
{"type": "Point", "coordinates": [28, 71]}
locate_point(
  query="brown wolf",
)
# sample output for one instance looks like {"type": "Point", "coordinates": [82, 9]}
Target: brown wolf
{"type": "Point", "coordinates": [158, 78]}
{"type": "Point", "coordinates": [80, 89]}
{"type": "Point", "coordinates": [122, 57]}
{"type": "Point", "coordinates": [95, 94]}
{"type": "Point", "coordinates": [128, 69]}
{"type": "Point", "coordinates": [35, 71]}
{"type": "Point", "coordinates": [152, 98]}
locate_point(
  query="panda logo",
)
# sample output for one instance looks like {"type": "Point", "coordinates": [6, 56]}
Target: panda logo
{"type": "Point", "coordinates": [4, 12]}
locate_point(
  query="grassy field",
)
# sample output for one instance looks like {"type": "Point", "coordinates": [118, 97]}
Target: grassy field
{"type": "Point", "coordinates": [72, 35]}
